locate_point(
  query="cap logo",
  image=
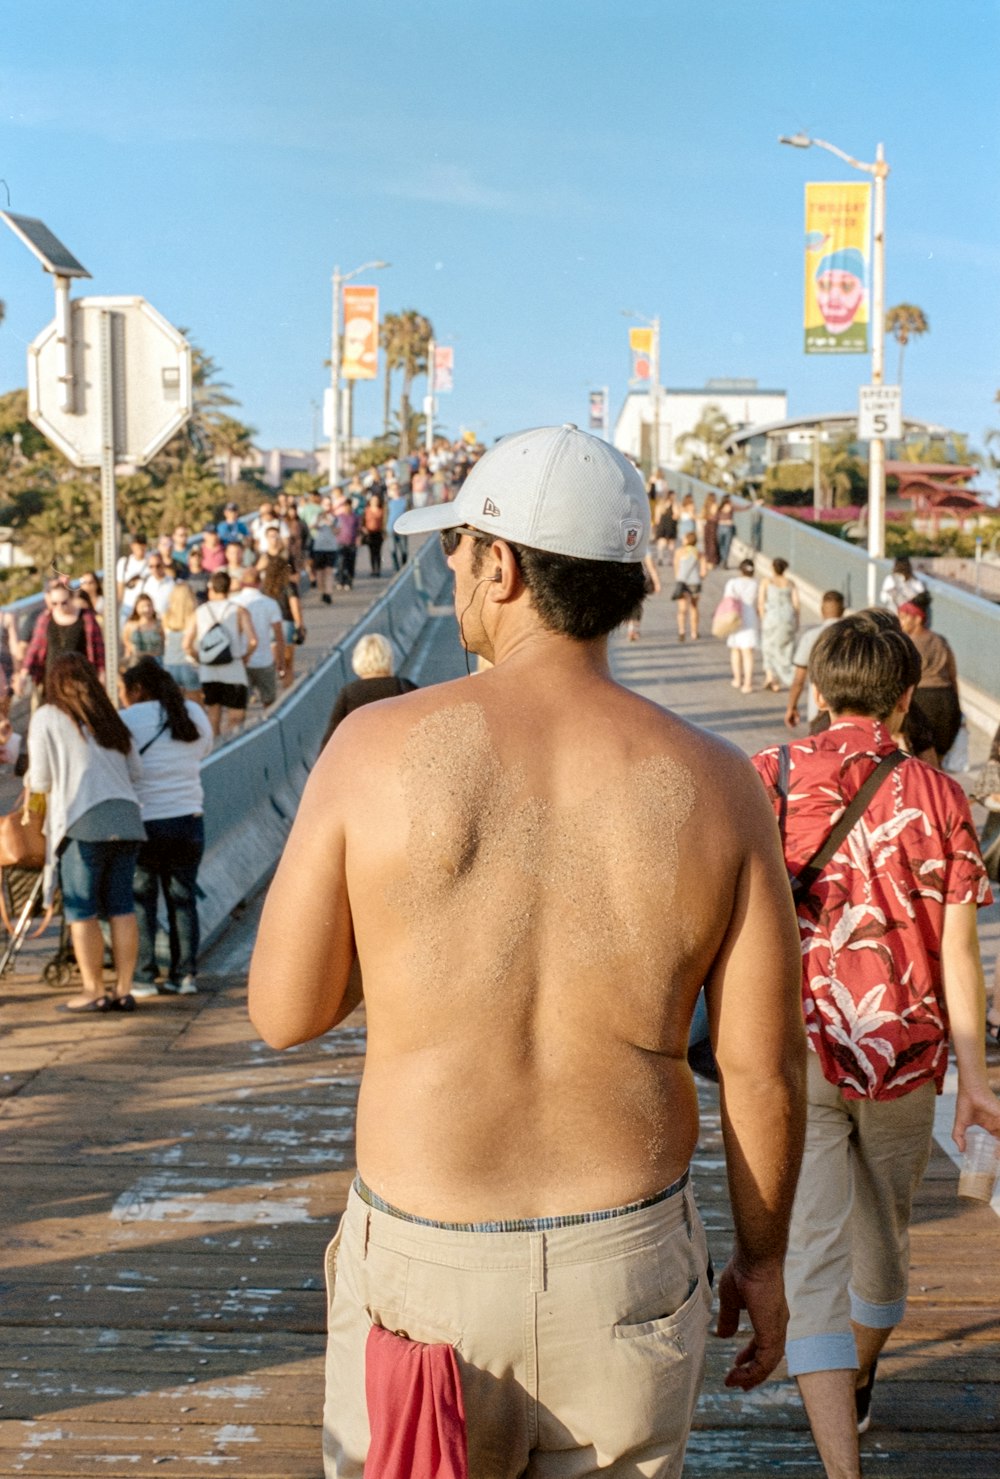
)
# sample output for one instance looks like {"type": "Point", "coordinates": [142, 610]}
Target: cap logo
{"type": "Point", "coordinates": [631, 533]}
{"type": "Point", "coordinates": [490, 509]}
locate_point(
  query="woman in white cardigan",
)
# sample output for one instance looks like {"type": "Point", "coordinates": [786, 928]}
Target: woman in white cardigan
{"type": "Point", "coordinates": [82, 758]}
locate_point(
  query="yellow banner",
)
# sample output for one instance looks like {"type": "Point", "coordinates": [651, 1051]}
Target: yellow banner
{"type": "Point", "coordinates": [640, 341]}
{"type": "Point", "coordinates": [838, 237]}
{"type": "Point", "coordinates": [359, 352]}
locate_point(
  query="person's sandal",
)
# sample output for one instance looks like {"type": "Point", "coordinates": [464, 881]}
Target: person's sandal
{"type": "Point", "coordinates": [102, 1003]}
{"type": "Point", "coordinates": [992, 1034]}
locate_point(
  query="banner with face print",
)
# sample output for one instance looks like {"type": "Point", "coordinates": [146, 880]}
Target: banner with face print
{"type": "Point", "coordinates": [360, 342]}
{"type": "Point", "coordinates": [838, 247]}
{"type": "Point", "coordinates": [444, 368]}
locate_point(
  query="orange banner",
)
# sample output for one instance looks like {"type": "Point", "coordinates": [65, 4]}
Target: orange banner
{"type": "Point", "coordinates": [359, 346]}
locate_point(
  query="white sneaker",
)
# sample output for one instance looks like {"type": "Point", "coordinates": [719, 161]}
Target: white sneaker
{"type": "Point", "coordinates": [188, 986]}
{"type": "Point", "coordinates": [143, 989]}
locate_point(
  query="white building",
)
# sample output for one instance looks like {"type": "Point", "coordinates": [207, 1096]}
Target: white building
{"type": "Point", "coordinates": [742, 402]}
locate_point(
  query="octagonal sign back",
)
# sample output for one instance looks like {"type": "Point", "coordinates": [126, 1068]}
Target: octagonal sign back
{"type": "Point", "coordinates": [150, 382]}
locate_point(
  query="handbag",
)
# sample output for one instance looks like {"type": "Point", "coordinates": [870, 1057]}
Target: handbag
{"type": "Point", "coordinates": [728, 617]}
{"type": "Point", "coordinates": [22, 841]}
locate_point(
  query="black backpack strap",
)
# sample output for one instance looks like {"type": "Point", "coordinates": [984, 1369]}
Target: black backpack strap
{"type": "Point", "coordinates": [807, 876]}
{"type": "Point", "coordinates": [784, 767]}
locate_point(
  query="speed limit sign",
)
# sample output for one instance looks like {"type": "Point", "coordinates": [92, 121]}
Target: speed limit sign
{"type": "Point", "coordinates": [880, 413]}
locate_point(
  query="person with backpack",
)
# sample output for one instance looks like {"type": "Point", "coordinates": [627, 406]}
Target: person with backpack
{"type": "Point", "coordinates": [218, 636]}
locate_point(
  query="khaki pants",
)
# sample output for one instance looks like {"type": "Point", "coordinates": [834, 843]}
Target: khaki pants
{"type": "Point", "coordinates": [849, 1241]}
{"type": "Point", "coordinates": [581, 1347]}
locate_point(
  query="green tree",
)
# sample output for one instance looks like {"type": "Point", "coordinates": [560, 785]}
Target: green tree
{"type": "Point", "coordinates": [230, 439]}
{"type": "Point", "coordinates": [302, 484]}
{"type": "Point", "coordinates": [415, 335]}
{"type": "Point", "coordinates": [842, 475]}
{"type": "Point", "coordinates": [707, 458]}
{"type": "Point", "coordinates": [905, 322]}
{"type": "Point", "coordinates": [390, 337]}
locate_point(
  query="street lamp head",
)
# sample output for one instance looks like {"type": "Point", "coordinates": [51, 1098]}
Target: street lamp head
{"type": "Point", "coordinates": [797, 141]}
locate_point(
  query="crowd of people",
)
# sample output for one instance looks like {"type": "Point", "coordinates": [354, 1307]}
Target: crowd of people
{"type": "Point", "coordinates": [205, 622]}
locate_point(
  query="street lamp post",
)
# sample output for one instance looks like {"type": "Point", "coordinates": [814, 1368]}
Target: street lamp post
{"type": "Point", "coordinates": [339, 278]}
{"type": "Point", "coordinates": [879, 171]}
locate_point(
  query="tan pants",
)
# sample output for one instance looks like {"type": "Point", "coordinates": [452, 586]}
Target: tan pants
{"type": "Point", "coordinates": [581, 1347]}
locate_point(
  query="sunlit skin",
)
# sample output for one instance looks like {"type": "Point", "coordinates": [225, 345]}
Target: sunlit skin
{"type": "Point", "coordinates": [839, 295]}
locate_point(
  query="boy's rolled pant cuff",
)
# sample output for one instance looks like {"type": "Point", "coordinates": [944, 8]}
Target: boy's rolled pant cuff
{"type": "Point", "coordinates": [877, 1316]}
{"type": "Point", "coordinates": [833, 1351]}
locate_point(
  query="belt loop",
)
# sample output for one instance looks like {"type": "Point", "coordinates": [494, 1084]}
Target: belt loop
{"type": "Point", "coordinates": [536, 1245]}
{"type": "Point", "coordinates": [368, 1233]}
{"type": "Point", "coordinates": [688, 1219]}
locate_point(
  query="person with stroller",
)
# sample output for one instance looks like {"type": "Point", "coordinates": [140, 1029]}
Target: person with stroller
{"type": "Point", "coordinates": [83, 760]}
{"type": "Point", "coordinates": [173, 736]}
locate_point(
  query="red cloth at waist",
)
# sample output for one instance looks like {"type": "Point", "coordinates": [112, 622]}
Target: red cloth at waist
{"type": "Point", "coordinates": [415, 1409]}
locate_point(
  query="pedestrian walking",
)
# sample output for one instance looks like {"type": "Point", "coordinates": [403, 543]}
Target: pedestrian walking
{"type": "Point", "coordinates": [373, 531]}
{"type": "Point", "coordinates": [173, 736]}
{"type": "Point", "coordinates": [690, 569]}
{"type": "Point", "coordinates": [82, 759]}
{"type": "Point", "coordinates": [937, 688]}
{"type": "Point", "coordinates": [726, 524]}
{"type": "Point", "coordinates": [831, 610]}
{"type": "Point", "coordinates": [279, 581]}
{"type": "Point", "coordinates": [347, 527]}
{"type": "Point", "coordinates": [710, 530]}
{"type": "Point", "coordinates": [180, 609]}
{"type": "Point", "coordinates": [63, 628]}
{"type": "Point", "coordinates": [742, 643]}
{"type": "Point", "coordinates": [488, 856]}
{"type": "Point", "coordinates": [778, 610]}
{"type": "Point", "coordinates": [266, 664]}
{"type": "Point", "coordinates": [142, 635]}
{"type": "Point", "coordinates": [219, 635]}
{"type": "Point", "coordinates": [890, 961]}
{"type": "Point", "coordinates": [665, 526]}
{"type": "Point", "coordinates": [901, 585]}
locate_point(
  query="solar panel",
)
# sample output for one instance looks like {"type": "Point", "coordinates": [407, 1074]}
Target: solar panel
{"type": "Point", "coordinates": [49, 250]}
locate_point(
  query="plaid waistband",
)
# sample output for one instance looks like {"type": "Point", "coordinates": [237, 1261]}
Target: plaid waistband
{"type": "Point", "coordinates": [519, 1224]}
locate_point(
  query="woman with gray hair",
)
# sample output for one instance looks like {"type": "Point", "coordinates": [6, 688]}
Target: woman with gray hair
{"type": "Point", "coordinates": [372, 660]}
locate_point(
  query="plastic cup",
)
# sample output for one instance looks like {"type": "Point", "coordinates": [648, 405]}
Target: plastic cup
{"type": "Point", "coordinates": [980, 1164]}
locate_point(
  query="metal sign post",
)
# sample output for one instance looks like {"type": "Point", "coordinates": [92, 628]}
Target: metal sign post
{"type": "Point", "coordinates": [109, 506]}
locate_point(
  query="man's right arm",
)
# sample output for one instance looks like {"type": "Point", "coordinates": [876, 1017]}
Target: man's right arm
{"type": "Point", "coordinates": [792, 715]}
{"type": "Point", "coordinates": [754, 996]}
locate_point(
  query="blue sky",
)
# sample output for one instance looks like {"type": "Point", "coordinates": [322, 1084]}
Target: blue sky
{"type": "Point", "coordinates": [529, 169]}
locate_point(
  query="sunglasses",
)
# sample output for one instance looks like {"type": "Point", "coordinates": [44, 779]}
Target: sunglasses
{"type": "Point", "coordinates": [450, 538]}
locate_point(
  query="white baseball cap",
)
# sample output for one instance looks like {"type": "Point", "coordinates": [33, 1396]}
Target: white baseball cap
{"type": "Point", "coordinates": [555, 488]}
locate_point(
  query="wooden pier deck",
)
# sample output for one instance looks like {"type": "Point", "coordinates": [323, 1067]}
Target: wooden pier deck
{"type": "Point", "coordinates": [169, 1184]}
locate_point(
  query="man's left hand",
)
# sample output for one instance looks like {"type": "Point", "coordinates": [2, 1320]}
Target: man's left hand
{"type": "Point", "coordinates": [762, 1294]}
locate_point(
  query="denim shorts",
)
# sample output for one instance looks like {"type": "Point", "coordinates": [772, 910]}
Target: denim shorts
{"type": "Point", "coordinates": [96, 879]}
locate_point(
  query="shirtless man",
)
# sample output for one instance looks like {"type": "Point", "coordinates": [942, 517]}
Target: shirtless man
{"type": "Point", "coordinates": [534, 871]}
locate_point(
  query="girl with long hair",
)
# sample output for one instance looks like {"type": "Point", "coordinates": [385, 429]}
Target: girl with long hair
{"type": "Point", "coordinates": [174, 736]}
{"type": "Point", "coordinates": [82, 758]}
{"type": "Point", "coordinates": [180, 608]}
{"type": "Point", "coordinates": [143, 634]}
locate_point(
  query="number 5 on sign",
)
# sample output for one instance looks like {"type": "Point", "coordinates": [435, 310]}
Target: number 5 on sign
{"type": "Point", "coordinates": [880, 413]}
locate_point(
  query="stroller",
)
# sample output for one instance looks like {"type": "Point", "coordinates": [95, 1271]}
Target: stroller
{"type": "Point", "coordinates": [20, 905]}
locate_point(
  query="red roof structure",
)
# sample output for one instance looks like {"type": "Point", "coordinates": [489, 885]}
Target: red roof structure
{"type": "Point", "coordinates": [936, 487]}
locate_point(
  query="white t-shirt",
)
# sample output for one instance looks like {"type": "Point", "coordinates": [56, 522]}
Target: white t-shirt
{"type": "Point", "coordinates": [224, 614]}
{"type": "Point", "coordinates": [800, 659]}
{"type": "Point", "coordinates": [744, 589]}
{"type": "Point", "coordinates": [263, 612]}
{"type": "Point", "coordinates": [128, 568]}
{"type": "Point", "coordinates": [156, 587]}
{"type": "Point", "coordinates": [170, 784]}
{"type": "Point", "coordinates": [259, 528]}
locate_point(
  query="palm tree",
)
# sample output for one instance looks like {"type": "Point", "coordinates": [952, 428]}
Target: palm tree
{"type": "Point", "coordinates": [415, 335]}
{"type": "Point", "coordinates": [905, 322]}
{"type": "Point", "coordinates": [230, 439]}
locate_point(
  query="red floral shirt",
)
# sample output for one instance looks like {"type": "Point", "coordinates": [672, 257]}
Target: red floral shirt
{"type": "Point", "coordinates": [871, 927]}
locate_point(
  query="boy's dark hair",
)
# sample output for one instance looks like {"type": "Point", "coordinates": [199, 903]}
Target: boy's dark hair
{"type": "Point", "coordinates": [864, 663]}
{"type": "Point", "coordinates": [219, 582]}
{"type": "Point", "coordinates": [582, 599]}
{"type": "Point", "coordinates": [779, 566]}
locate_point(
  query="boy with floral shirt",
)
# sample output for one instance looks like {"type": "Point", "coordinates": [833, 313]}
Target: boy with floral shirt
{"type": "Point", "coordinates": [890, 964]}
